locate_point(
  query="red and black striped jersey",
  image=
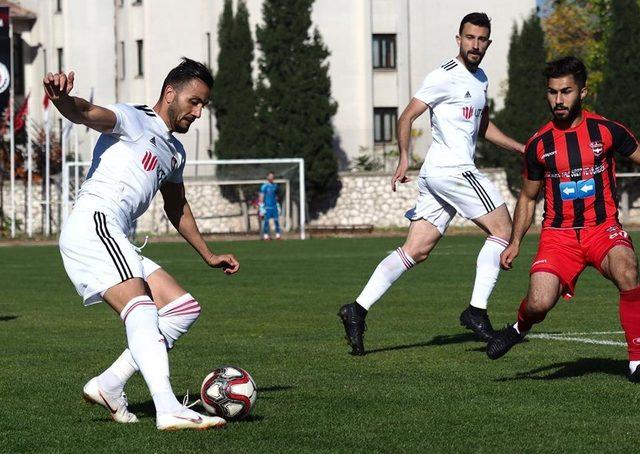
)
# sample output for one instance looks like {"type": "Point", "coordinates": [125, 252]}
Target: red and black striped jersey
{"type": "Point", "coordinates": [578, 169]}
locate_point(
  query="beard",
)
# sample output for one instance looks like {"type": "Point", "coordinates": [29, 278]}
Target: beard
{"type": "Point", "coordinates": [468, 62]}
{"type": "Point", "coordinates": [175, 121]}
{"type": "Point", "coordinates": [569, 114]}
{"type": "Point", "coordinates": [181, 129]}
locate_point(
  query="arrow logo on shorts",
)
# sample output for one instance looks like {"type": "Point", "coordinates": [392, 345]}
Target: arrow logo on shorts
{"type": "Point", "coordinates": [568, 190]}
{"type": "Point", "coordinates": [586, 188]}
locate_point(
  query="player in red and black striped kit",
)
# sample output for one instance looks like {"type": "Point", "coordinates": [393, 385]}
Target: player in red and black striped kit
{"type": "Point", "coordinates": [573, 156]}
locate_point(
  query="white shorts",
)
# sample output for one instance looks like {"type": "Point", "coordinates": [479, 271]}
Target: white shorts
{"type": "Point", "coordinates": [97, 255]}
{"type": "Point", "coordinates": [470, 193]}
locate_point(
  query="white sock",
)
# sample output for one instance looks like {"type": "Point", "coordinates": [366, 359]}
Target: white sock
{"type": "Point", "coordinates": [487, 269]}
{"type": "Point", "coordinates": [116, 376]}
{"type": "Point", "coordinates": [174, 320]}
{"type": "Point", "coordinates": [149, 352]}
{"type": "Point", "coordinates": [633, 365]}
{"type": "Point", "coordinates": [385, 274]}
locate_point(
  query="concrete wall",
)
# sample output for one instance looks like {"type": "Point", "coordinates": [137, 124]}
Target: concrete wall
{"type": "Point", "coordinates": [365, 199]}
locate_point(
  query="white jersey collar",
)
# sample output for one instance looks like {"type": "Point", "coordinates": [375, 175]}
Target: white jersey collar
{"type": "Point", "coordinates": [163, 125]}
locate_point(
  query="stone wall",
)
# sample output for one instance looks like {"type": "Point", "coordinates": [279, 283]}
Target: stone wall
{"type": "Point", "coordinates": [37, 206]}
{"type": "Point", "coordinates": [366, 199]}
{"type": "Point", "coordinates": [213, 212]}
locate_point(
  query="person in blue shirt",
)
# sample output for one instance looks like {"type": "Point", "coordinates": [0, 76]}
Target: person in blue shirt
{"type": "Point", "coordinates": [269, 206]}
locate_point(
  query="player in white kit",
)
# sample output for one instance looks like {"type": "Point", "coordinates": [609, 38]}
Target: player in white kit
{"type": "Point", "coordinates": [136, 155]}
{"type": "Point", "coordinates": [449, 183]}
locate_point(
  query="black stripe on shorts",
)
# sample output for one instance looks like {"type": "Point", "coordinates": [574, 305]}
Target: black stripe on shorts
{"type": "Point", "coordinates": [112, 247]}
{"type": "Point", "coordinates": [480, 191]}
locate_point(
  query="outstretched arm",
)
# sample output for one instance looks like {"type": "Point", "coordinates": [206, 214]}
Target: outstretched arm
{"type": "Point", "coordinates": [492, 133]}
{"type": "Point", "coordinates": [179, 213]}
{"type": "Point", "coordinates": [522, 218]}
{"type": "Point", "coordinates": [410, 113]}
{"type": "Point", "coordinates": [635, 156]}
{"type": "Point", "coordinates": [77, 110]}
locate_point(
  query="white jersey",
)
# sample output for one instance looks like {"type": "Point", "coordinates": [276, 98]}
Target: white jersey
{"type": "Point", "coordinates": [130, 164]}
{"type": "Point", "coordinates": [456, 98]}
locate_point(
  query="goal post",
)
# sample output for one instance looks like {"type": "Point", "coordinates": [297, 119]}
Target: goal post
{"type": "Point", "coordinates": [244, 174]}
{"type": "Point", "coordinates": [624, 201]}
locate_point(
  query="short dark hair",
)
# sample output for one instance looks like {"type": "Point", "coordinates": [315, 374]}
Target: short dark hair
{"type": "Point", "coordinates": [479, 19]}
{"type": "Point", "coordinates": [567, 66]}
{"type": "Point", "coordinates": [187, 70]}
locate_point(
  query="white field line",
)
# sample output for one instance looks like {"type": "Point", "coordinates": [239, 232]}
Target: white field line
{"type": "Point", "coordinates": [582, 340]}
{"type": "Point", "coordinates": [596, 333]}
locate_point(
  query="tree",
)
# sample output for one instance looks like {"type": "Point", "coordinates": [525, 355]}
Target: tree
{"type": "Point", "coordinates": [525, 108]}
{"type": "Point", "coordinates": [294, 96]}
{"type": "Point", "coordinates": [619, 98]}
{"type": "Point", "coordinates": [578, 28]}
{"type": "Point", "coordinates": [233, 96]}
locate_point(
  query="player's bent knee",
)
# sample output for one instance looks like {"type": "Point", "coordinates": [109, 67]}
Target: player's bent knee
{"type": "Point", "coordinates": [417, 254]}
{"type": "Point", "coordinates": [539, 305]}
{"type": "Point", "coordinates": [177, 317]}
{"type": "Point", "coordinates": [627, 278]}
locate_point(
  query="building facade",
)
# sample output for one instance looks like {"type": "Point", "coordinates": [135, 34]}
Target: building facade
{"type": "Point", "coordinates": [381, 50]}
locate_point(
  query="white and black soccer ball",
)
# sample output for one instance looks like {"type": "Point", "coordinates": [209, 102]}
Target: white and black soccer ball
{"type": "Point", "coordinates": [229, 392]}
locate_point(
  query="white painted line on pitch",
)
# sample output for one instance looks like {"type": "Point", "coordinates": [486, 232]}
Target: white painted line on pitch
{"type": "Point", "coordinates": [577, 339]}
{"type": "Point", "coordinates": [596, 333]}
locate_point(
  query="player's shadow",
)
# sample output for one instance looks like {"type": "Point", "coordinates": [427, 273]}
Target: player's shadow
{"type": "Point", "coordinates": [572, 369]}
{"type": "Point", "coordinates": [450, 339]}
{"type": "Point", "coordinates": [7, 318]}
{"type": "Point", "coordinates": [145, 408]}
{"type": "Point", "coordinates": [273, 389]}
{"type": "Point", "coordinates": [436, 340]}
{"type": "Point", "coordinates": [268, 390]}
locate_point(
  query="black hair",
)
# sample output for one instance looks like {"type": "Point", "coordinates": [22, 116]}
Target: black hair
{"type": "Point", "coordinates": [479, 19]}
{"type": "Point", "coordinates": [187, 70]}
{"type": "Point", "coordinates": [567, 66]}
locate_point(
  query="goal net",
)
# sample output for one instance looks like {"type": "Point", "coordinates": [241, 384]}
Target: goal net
{"type": "Point", "coordinates": [223, 195]}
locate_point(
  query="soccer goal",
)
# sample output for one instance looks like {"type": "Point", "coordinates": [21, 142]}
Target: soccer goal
{"type": "Point", "coordinates": [222, 193]}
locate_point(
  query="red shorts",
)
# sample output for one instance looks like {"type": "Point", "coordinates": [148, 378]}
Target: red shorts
{"type": "Point", "coordinates": [567, 252]}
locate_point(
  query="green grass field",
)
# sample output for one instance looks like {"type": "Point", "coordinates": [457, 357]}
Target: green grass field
{"type": "Point", "coordinates": [425, 385]}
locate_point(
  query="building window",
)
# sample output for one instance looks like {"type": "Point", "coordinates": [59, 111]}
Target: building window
{"type": "Point", "coordinates": [140, 47]}
{"type": "Point", "coordinates": [384, 51]}
{"type": "Point", "coordinates": [60, 59]}
{"type": "Point", "coordinates": [384, 124]}
{"type": "Point", "coordinates": [122, 61]}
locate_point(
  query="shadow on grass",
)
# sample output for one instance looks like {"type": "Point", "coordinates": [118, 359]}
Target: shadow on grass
{"type": "Point", "coordinates": [273, 389]}
{"type": "Point", "coordinates": [436, 340]}
{"type": "Point", "coordinates": [268, 390]}
{"type": "Point", "coordinates": [571, 369]}
{"type": "Point", "coordinates": [449, 339]}
{"type": "Point", "coordinates": [147, 408]}
{"type": "Point", "coordinates": [6, 318]}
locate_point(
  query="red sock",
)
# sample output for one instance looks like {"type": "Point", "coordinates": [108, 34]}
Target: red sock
{"type": "Point", "coordinates": [527, 320]}
{"type": "Point", "coordinates": [630, 321]}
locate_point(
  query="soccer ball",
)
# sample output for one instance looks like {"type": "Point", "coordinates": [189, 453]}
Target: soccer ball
{"type": "Point", "coordinates": [229, 392]}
